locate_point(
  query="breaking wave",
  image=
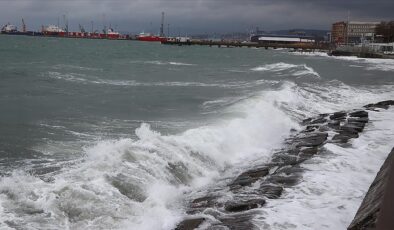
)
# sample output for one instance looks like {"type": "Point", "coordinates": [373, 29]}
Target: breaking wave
{"type": "Point", "coordinates": [140, 183]}
{"type": "Point", "coordinates": [292, 69]}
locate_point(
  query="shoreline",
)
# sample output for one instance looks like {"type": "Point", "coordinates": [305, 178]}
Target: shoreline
{"type": "Point", "coordinates": [284, 171]}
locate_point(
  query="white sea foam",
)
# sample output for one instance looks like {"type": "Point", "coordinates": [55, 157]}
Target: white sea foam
{"type": "Point", "coordinates": [64, 66]}
{"type": "Point", "coordinates": [275, 67]}
{"type": "Point", "coordinates": [335, 182]}
{"type": "Point", "coordinates": [68, 76]}
{"type": "Point", "coordinates": [313, 54]}
{"type": "Point", "coordinates": [85, 79]}
{"type": "Point", "coordinates": [369, 63]}
{"type": "Point", "coordinates": [292, 69]}
{"type": "Point", "coordinates": [167, 63]}
{"type": "Point", "coordinates": [308, 71]}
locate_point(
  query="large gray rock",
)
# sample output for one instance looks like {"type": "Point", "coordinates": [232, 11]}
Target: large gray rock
{"type": "Point", "coordinates": [190, 224]}
{"type": "Point", "coordinates": [249, 177]}
{"type": "Point", "coordinates": [271, 191]}
{"type": "Point", "coordinates": [239, 206]}
{"type": "Point", "coordinates": [360, 114]}
{"type": "Point", "coordinates": [313, 140]}
{"type": "Point", "coordinates": [338, 116]}
{"type": "Point", "coordinates": [382, 104]}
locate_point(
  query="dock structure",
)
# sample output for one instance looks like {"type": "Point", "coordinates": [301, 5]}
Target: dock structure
{"type": "Point", "coordinates": [228, 44]}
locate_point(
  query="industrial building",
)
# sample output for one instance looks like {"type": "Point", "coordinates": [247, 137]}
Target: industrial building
{"type": "Point", "coordinates": [353, 32]}
{"type": "Point", "coordinates": [281, 39]}
{"type": "Point", "coordinates": [338, 33]}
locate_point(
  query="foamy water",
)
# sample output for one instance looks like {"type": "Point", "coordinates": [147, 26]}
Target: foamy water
{"type": "Point", "coordinates": [295, 70]}
{"type": "Point", "coordinates": [371, 63]}
{"type": "Point", "coordinates": [335, 182]}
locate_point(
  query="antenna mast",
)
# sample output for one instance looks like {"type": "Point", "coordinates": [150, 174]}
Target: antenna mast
{"type": "Point", "coordinates": [65, 20]}
{"type": "Point", "coordinates": [23, 26]}
{"type": "Point", "coordinates": [162, 25]}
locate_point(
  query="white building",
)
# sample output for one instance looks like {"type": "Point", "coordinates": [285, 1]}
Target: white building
{"type": "Point", "coordinates": [360, 31]}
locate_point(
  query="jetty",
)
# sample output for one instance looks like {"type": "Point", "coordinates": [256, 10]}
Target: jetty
{"type": "Point", "coordinates": [231, 44]}
{"type": "Point", "coordinates": [371, 50]}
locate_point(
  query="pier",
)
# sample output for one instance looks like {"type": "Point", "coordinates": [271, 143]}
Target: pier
{"type": "Point", "coordinates": [230, 44]}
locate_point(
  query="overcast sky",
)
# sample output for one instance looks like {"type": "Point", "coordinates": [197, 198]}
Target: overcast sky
{"type": "Point", "coordinates": [194, 16]}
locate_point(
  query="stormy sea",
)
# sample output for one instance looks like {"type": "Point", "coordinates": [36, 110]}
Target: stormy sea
{"type": "Point", "coordinates": [98, 134]}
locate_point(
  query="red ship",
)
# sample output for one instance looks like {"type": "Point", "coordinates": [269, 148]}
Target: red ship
{"type": "Point", "coordinates": [147, 37]}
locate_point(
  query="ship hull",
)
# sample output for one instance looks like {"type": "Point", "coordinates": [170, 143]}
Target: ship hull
{"type": "Point", "coordinates": [28, 33]}
{"type": "Point", "coordinates": [152, 39]}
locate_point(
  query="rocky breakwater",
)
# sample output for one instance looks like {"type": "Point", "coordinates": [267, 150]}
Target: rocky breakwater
{"type": "Point", "coordinates": [233, 204]}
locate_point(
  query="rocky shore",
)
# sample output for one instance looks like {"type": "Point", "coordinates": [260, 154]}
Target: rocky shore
{"type": "Point", "coordinates": [254, 187]}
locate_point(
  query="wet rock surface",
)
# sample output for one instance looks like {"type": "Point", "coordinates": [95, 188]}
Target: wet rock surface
{"type": "Point", "coordinates": [238, 206]}
{"type": "Point", "coordinates": [233, 205]}
{"type": "Point", "coordinates": [190, 224]}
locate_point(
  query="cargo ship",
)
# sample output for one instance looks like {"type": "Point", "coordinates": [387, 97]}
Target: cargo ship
{"type": "Point", "coordinates": [13, 30]}
{"type": "Point", "coordinates": [53, 31]}
{"type": "Point", "coordinates": [147, 37]}
{"type": "Point", "coordinates": [111, 34]}
{"type": "Point", "coordinates": [9, 29]}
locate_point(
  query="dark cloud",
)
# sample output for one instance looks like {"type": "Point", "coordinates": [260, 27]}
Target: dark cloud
{"type": "Point", "coordinates": [194, 16]}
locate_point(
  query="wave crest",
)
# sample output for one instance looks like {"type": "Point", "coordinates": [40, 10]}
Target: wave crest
{"type": "Point", "coordinates": [291, 69]}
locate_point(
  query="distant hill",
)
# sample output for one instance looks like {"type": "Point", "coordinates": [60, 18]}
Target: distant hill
{"type": "Point", "coordinates": [319, 34]}
{"type": "Point", "coordinates": [307, 32]}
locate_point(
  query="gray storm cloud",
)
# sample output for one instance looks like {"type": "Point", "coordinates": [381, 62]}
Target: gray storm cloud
{"type": "Point", "coordinates": [194, 16]}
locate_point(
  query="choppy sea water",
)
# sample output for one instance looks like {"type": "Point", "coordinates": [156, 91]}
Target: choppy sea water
{"type": "Point", "coordinates": [118, 134]}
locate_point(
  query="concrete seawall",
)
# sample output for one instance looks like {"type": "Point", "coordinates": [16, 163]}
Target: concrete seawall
{"type": "Point", "coordinates": [377, 209]}
{"type": "Point", "coordinates": [259, 185]}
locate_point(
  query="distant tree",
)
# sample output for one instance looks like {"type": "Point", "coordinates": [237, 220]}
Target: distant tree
{"type": "Point", "coordinates": [385, 31]}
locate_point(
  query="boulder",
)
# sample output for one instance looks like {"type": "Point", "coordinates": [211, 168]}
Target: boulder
{"type": "Point", "coordinates": [284, 180]}
{"type": "Point", "coordinates": [382, 104]}
{"type": "Point", "coordinates": [203, 202]}
{"type": "Point", "coordinates": [311, 128]}
{"type": "Point", "coordinates": [338, 116]}
{"type": "Point", "coordinates": [287, 159]}
{"type": "Point", "coordinates": [313, 140]}
{"type": "Point", "coordinates": [341, 138]}
{"type": "Point", "coordinates": [359, 126]}
{"type": "Point", "coordinates": [190, 224]}
{"type": "Point", "coordinates": [360, 114]}
{"type": "Point", "coordinates": [308, 152]}
{"type": "Point", "coordinates": [358, 119]}
{"type": "Point", "coordinates": [352, 128]}
{"type": "Point", "coordinates": [334, 124]}
{"type": "Point", "coordinates": [250, 176]}
{"type": "Point", "coordinates": [349, 133]}
{"type": "Point", "coordinates": [306, 121]}
{"type": "Point", "coordinates": [239, 206]}
{"type": "Point", "coordinates": [319, 120]}
{"type": "Point", "coordinates": [271, 191]}
{"type": "Point", "coordinates": [290, 170]}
